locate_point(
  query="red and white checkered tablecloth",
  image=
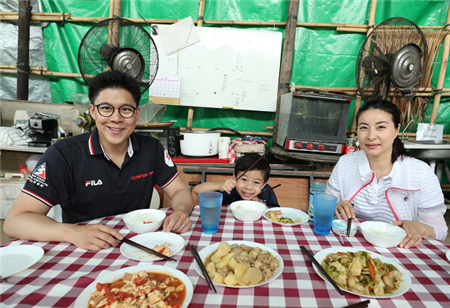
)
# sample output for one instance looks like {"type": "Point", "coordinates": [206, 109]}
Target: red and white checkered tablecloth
{"type": "Point", "coordinates": [64, 270]}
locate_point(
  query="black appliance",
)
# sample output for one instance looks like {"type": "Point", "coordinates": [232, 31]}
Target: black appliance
{"type": "Point", "coordinates": [168, 136]}
{"type": "Point", "coordinates": [44, 130]}
{"type": "Point", "coordinates": [313, 122]}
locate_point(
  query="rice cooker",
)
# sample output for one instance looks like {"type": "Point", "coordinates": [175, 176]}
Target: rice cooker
{"type": "Point", "coordinates": [199, 143]}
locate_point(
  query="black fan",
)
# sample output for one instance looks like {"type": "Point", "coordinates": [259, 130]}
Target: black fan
{"type": "Point", "coordinates": [121, 45]}
{"type": "Point", "coordinates": [392, 61]}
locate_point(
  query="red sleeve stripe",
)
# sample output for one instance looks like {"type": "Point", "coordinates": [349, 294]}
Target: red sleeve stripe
{"type": "Point", "coordinates": [171, 180]}
{"type": "Point", "coordinates": [37, 197]}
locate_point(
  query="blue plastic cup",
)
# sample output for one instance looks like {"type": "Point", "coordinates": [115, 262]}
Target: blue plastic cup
{"type": "Point", "coordinates": [324, 207]}
{"type": "Point", "coordinates": [210, 205]}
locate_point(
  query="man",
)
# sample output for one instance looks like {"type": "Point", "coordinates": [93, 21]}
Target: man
{"type": "Point", "coordinates": [105, 172]}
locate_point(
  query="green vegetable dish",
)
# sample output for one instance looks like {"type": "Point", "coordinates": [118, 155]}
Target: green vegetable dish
{"type": "Point", "coordinates": [357, 272]}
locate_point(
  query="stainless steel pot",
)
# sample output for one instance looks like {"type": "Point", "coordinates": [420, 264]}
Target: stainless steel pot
{"type": "Point", "coordinates": [199, 143]}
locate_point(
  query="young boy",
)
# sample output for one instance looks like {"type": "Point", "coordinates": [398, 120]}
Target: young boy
{"type": "Point", "coordinates": [251, 185]}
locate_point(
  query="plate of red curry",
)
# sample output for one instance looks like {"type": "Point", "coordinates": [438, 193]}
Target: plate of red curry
{"type": "Point", "coordinates": [110, 281]}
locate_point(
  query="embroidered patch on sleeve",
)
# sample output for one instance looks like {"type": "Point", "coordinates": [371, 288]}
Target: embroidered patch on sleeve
{"type": "Point", "coordinates": [39, 176]}
{"type": "Point", "coordinates": [167, 159]}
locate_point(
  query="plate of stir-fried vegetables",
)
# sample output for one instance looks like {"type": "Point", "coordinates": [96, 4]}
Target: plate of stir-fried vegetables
{"type": "Point", "coordinates": [364, 273]}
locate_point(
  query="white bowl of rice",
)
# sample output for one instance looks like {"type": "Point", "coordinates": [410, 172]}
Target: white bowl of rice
{"type": "Point", "coordinates": [382, 234]}
{"type": "Point", "coordinates": [247, 210]}
{"type": "Point", "coordinates": [146, 220]}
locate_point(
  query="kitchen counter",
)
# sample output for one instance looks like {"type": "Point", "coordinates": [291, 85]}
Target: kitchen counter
{"type": "Point", "coordinates": [427, 146]}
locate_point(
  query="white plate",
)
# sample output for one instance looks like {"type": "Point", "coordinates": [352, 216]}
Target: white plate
{"type": "Point", "coordinates": [17, 258]}
{"type": "Point", "coordinates": [150, 240]}
{"type": "Point", "coordinates": [83, 299]}
{"type": "Point", "coordinates": [404, 287]}
{"type": "Point", "coordinates": [291, 213]}
{"type": "Point", "coordinates": [448, 255]}
{"type": "Point", "coordinates": [207, 251]}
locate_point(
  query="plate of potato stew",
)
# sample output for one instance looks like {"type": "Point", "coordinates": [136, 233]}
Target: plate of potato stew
{"type": "Point", "coordinates": [240, 264]}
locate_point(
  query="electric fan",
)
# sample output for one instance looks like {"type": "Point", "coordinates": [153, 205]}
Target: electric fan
{"type": "Point", "coordinates": [392, 61]}
{"type": "Point", "coordinates": [121, 45]}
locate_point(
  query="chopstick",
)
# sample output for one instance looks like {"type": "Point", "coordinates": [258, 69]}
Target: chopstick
{"type": "Point", "coordinates": [311, 257]}
{"type": "Point", "coordinates": [149, 250]}
{"type": "Point", "coordinates": [359, 305]}
{"type": "Point", "coordinates": [202, 267]}
{"type": "Point", "coordinates": [349, 226]}
{"type": "Point", "coordinates": [271, 188]}
{"type": "Point", "coordinates": [253, 164]}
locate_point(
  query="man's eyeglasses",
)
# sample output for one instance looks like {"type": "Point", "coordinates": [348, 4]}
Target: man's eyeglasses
{"type": "Point", "coordinates": [107, 110]}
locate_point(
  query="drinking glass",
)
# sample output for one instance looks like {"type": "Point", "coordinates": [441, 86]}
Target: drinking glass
{"type": "Point", "coordinates": [210, 205]}
{"type": "Point", "coordinates": [324, 206]}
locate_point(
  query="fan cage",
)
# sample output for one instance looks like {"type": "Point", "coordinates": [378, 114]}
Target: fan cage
{"type": "Point", "coordinates": [117, 33]}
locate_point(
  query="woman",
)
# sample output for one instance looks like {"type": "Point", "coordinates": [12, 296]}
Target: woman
{"type": "Point", "coordinates": [382, 182]}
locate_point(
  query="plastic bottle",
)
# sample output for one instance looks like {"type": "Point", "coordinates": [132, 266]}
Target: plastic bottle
{"type": "Point", "coordinates": [316, 187]}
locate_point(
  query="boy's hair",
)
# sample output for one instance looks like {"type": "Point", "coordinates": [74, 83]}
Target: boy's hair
{"type": "Point", "coordinates": [114, 80]}
{"type": "Point", "coordinates": [249, 159]}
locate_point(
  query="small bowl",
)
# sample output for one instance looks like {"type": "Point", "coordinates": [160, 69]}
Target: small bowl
{"type": "Point", "coordinates": [370, 228]}
{"type": "Point", "coordinates": [339, 226]}
{"type": "Point", "coordinates": [255, 210]}
{"type": "Point", "coordinates": [143, 228]}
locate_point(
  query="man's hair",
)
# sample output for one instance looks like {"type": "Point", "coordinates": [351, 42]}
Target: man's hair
{"type": "Point", "coordinates": [249, 159]}
{"type": "Point", "coordinates": [114, 80]}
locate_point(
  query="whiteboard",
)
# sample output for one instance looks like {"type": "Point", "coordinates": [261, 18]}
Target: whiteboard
{"type": "Point", "coordinates": [228, 68]}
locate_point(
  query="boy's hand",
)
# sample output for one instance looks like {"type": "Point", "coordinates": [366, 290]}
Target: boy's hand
{"type": "Point", "coordinates": [255, 198]}
{"type": "Point", "coordinates": [228, 185]}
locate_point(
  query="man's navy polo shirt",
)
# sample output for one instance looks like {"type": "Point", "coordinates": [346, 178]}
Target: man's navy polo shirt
{"type": "Point", "coordinates": [75, 173]}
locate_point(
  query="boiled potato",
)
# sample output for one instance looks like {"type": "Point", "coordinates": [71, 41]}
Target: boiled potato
{"type": "Point", "coordinates": [224, 261]}
{"type": "Point", "coordinates": [244, 253]}
{"type": "Point", "coordinates": [239, 271]}
{"type": "Point", "coordinates": [232, 264]}
{"type": "Point", "coordinates": [252, 276]}
{"type": "Point", "coordinates": [218, 278]}
{"type": "Point", "coordinates": [223, 249]}
{"type": "Point", "coordinates": [210, 267]}
{"type": "Point", "coordinates": [230, 279]}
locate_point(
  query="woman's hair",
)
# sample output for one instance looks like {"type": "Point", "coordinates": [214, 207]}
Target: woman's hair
{"type": "Point", "coordinates": [114, 80]}
{"type": "Point", "coordinates": [398, 150]}
{"type": "Point", "coordinates": [248, 160]}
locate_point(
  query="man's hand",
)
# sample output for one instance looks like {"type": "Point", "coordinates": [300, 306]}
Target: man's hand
{"type": "Point", "coordinates": [178, 222]}
{"type": "Point", "coordinates": [94, 237]}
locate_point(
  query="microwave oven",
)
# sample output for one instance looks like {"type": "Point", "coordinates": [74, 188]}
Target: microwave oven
{"type": "Point", "coordinates": [168, 136]}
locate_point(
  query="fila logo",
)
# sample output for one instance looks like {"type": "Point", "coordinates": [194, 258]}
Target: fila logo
{"type": "Point", "coordinates": [94, 183]}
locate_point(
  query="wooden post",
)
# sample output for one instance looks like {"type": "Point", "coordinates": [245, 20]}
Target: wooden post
{"type": "Point", "coordinates": [373, 7]}
{"type": "Point", "coordinates": [286, 60]}
{"type": "Point", "coordinates": [23, 54]}
{"type": "Point", "coordinates": [201, 9]}
{"type": "Point", "coordinates": [441, 78]}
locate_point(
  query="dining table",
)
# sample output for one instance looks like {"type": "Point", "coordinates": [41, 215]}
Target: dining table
{"type": "Point", "coordinates": [64, 271]}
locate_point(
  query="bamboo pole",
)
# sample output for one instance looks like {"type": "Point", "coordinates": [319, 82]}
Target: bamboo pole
{"type": "Point", "coordinates": [370, 24]}
{"type": "Point", "coordinates": [442, 71]}
{"type": "Point", "coordinates": [348, 29]}
{"type": "Point", "coordinates": [286, 59]}
{"type": "Point", "coordinates": [201, 9]}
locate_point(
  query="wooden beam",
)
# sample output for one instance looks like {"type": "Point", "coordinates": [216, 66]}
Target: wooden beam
{"type": "Point", "coordinates": [23, 53]}
{"type": "Point", "coordinates": [286, 59]}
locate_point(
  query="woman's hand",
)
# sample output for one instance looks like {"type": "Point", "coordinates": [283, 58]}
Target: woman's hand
{"type": "Point", "coordinates": [344, 210]}
{"type": "Point", "coordinates": [414, 232]}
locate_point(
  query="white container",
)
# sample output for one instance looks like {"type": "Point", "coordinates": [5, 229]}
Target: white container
{"type": "Point", "coordinates": [224, 145]}
{"type": "Point", "coordinates": [396, 234]}
{"type": "Point", "coordinates": [199, 143]}
{"type": "Point", "coordinates": [10, 187]}
{"type": "Point", "coordinates": [144, 228]}
{"type": "Point", "coordinates": [247, 210]}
